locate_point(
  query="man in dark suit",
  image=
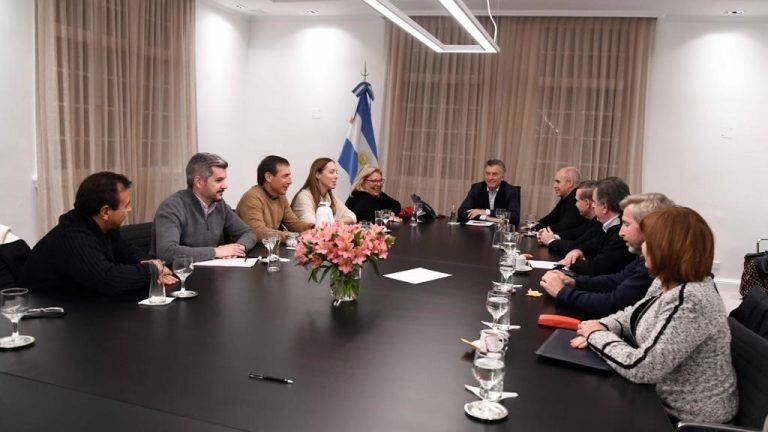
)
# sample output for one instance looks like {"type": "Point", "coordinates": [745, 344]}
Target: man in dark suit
{"type": "Point", "coordinates": [492, 194]}
{"type": "Point", "coordinates": [606, 254]}
{"type": "Point", "coordinates": [568, 240]}
{"type": "Point", "coordinates": [605, 294]}
{"type": "Point", "coordinates": [565, 215]}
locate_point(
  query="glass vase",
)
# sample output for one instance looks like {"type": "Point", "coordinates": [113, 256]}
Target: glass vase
{"type": "Point", "coordinates": [345, 287]}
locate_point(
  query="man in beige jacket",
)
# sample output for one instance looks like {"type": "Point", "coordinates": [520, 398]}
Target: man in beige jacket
{"type": "Point", "coordinates": [265, 207]}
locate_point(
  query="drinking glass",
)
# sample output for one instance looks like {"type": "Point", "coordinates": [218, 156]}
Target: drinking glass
{"type": "Point", "coordinates": [182, 267]}
{"type": "Point", "coordinates": [530, 221]}
{"type": "Point", "coordinates": [498, 234]}
{"type": "Point", "coordinates": [292, 240]}
{"type": "Point", "coordinates": [269, 242]}
{"type": "Point", "coordinates": [379, 218]}
{"type": "Point", "coordinates": [508, 243]}
{"type": "Point", "coordinates": [14, 304]}
{"type": "Point", "coordinates": [497, 304]}
{"type": "Point", "coordinates": [366, 225]}
{"type": "Point", "coordinates": [488, 370]}
{"type": "Point", "coordinates": [415, 214]}
{"type": "Point", "coordinates": [507, 270]}
{"type": "Point", "coordinates": [452, 216]}
{"type": "Point", "coordinates": [501, 213]}
{"type": "Point", "coordinates": [276, 248]}
{"type": "Point", "coordinates": [273, 265]}
{"type": "Point", "coordinates": [156, 287]}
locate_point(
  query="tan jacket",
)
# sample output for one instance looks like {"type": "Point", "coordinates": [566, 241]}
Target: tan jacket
{"type": "Point", "coordinates": [265, 214]}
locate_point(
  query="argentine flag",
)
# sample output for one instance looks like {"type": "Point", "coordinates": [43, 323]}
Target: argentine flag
{"type": "Point", "coordinates": [360, 146]}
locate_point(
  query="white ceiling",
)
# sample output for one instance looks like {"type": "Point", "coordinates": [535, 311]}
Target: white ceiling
{"type": "Point", "coordinates": [655, 8]}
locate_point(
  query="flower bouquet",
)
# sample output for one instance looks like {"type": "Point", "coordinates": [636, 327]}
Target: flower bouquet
{"type": "Point", "coordinates": [339, 251]}
{"type": "Point", "coordinates": [405, 213]}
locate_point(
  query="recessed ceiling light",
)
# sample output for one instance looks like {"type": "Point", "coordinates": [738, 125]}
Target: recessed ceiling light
{"type": "Point", "coordinates": [734, 12]}
{"type": "Point", "coordinates": [239, 6]}
{"type": "Point", "coordinates": [311, 12]}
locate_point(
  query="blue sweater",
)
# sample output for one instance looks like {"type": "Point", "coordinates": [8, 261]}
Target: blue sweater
{"type": "Point", "coordinates": [605, 294]}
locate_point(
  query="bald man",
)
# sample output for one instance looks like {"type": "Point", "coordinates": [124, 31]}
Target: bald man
{"type": "Point", "coordinates": [565, 215]}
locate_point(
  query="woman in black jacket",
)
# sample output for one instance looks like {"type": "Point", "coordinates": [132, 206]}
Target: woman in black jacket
{"type": "Point", "coordinates": [367, 197]}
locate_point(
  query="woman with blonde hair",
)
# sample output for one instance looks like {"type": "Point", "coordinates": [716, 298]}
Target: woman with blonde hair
{"type": "Point", "coordinates": [322, 178]}
{"type": "Point", "coordinates": [367, 196]}
{"type": "Point", "coordinates": [677, 337]}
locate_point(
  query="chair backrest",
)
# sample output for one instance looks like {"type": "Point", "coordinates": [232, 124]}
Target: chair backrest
{"type": "Point", "coordinates": [753, 312]}
{"type": "Point", "coordinates": [13, 255]}
{"type": "Point", "coordinates": [139, 235]}
{"type": "Point", "coordinates": [749, 352]}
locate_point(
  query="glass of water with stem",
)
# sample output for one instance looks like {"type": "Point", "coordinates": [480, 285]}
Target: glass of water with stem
{"type": "Point", "coordinates": [14, 303]}
{"type": "Point", "coordinates": [183, 265]}
{"type": "Point", "coordinates": [488, 370]}
{"type": "Point", "coordinates": [497, 304]}
{"type": "Point", "coordinates": [270, 242]}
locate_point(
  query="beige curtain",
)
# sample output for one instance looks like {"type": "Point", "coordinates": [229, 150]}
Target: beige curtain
{"type": "Point", "coordinates": [562, 91]}
{"type": "Point", "coordinates": [115, 92]}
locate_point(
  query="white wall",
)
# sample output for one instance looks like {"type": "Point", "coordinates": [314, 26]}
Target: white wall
{"type": "Point", "coordinates": [222, 74]}
{"type": "Point", "coordinates": [17, 118]}
{"type": "Point", "coordinates": [301, 66]}
{"type": "Point", "coordinates": [708, 76]}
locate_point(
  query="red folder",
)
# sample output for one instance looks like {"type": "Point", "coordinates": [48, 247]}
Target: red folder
{"type": "Point", "coordinates": [559, 321]}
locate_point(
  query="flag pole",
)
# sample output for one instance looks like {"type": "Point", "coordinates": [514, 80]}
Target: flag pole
{"type": "Point", "coordinates": [365, 71]}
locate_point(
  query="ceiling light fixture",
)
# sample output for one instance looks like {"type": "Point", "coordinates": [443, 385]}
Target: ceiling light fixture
{"type": "Point", "coordinates": [734, 12]}
{"type": "Point", "coordinates": [311, 12]}
{"type": "Point", "coordinates": [460, 13]}
{"type": "Point", "coordinates": [239, 6]}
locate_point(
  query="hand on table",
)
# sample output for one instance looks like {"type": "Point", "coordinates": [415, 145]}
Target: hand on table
{"type": "Point", "coordinates": [552, 283]}
{"type": "Point", "coordinates": [572, 257]}
{"type": "Point", "coordinates": [579, 342]}
{"type": "Point", "coordinates": [587, 327]}
{"type": "Point", "coordinates": [232, 250]}
{"type": "Point", "coordinates": [471, 214]}
{"type": "Point", "coordinates": [545, 235]}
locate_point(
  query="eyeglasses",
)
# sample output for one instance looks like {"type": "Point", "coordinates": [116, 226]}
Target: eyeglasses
{"type": "Point", "coordinates": [379, 181]}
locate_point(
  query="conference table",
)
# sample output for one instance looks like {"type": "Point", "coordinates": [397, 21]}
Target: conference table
{"type": "Point", "coordinates": [391, 361]}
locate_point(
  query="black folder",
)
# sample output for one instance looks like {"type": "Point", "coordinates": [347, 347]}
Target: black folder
{"type": "Point", "coordinates": [558, 347]}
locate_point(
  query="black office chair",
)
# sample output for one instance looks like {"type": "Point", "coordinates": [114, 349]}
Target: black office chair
{"type": "Point", "coordinates": [750, 360]}
{"type": "Point", "coordinates": [753, 312]}
{"type": "Point", "coordinates": [139, 235]}
{"type": "Point", "coordinates": [13, 255]}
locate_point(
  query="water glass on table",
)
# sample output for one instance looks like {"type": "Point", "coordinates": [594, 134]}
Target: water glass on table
{"type": "Point", "coordinates": [452, 215]}
{"type": "Point", "coordinates": [183, 266]}
{"type": "Point", "coordinates": [378, 217]}
{"type": "Point", "coordinates": [292, 240]}
{"type": "Point", "coordinates": [14, 303]}
{"type": "Point", "coordinates": [415, 214]}
{"type": "Point", "coordinates": [156, 286]}
{"type": "Point", "coordinates": [497, 304]}
{"type": "Point", "coordinates": [488, 369]}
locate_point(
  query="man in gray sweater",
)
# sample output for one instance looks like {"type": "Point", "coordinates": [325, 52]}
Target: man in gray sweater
{"type": "Point", "coordinates": [193, 221]}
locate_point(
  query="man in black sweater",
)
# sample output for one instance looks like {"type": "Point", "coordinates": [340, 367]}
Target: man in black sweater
{"type": "Point", "coordinates": [85, 252]}
{"type": "Point", "coordinates": [605, 294]}
{"type": "Point", "coordinates": [565, 215]}
{"type": "Point", "coordinates": [566, 241]}
{"type": "Point", "coordinates": [494, 193]}
{"type": "Point", "coordinates": [606, 254]}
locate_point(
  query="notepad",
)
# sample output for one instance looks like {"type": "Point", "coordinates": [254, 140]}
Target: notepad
{"type": "Point", "coordinates": [417, 275]}
{"type": "Point", "coordinates": [479, 223]}
{"type": "Point", "coordinates": [547, 265]}
{"type": "Point", "coordinates": [232, 262]}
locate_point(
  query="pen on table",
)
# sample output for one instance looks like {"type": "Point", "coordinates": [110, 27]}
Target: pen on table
{"type": "Point", "coordinates": [269, 378]}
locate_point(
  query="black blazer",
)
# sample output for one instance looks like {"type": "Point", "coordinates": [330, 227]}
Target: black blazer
{"type": "Point", "coordinates": [508, 197]}
{"type": "Point", "coordinates": [605, 255]}
{"type": "Point", "coordinates": [564, 216]}
{"type": "Point", "coordinates": [364, 205]}
{"type": "Point", "coordinates": [587, 231]}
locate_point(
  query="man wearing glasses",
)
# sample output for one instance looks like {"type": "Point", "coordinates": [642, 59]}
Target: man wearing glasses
{"type": "Point", "coordinates": [85, 251]}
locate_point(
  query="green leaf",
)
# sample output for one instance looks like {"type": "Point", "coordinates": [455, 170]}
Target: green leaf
{"type": "Point", "coordinates": [325, 272]}
{"type": "Point", "coordinates": [375, 263]}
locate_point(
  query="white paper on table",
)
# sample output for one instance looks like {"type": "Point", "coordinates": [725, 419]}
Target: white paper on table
{"type": "Point", "coordinates": [231, 262]}
{"type": "Point", "coordinates": [547, 265]}
{"type": "Point", "coordinates": [479, 223]}
{"type": "Point", "coordinates": [417, 275]}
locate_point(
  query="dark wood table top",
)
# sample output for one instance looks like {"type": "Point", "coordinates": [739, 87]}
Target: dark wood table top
{"type": "Point", "coordinates": [390, 362]}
